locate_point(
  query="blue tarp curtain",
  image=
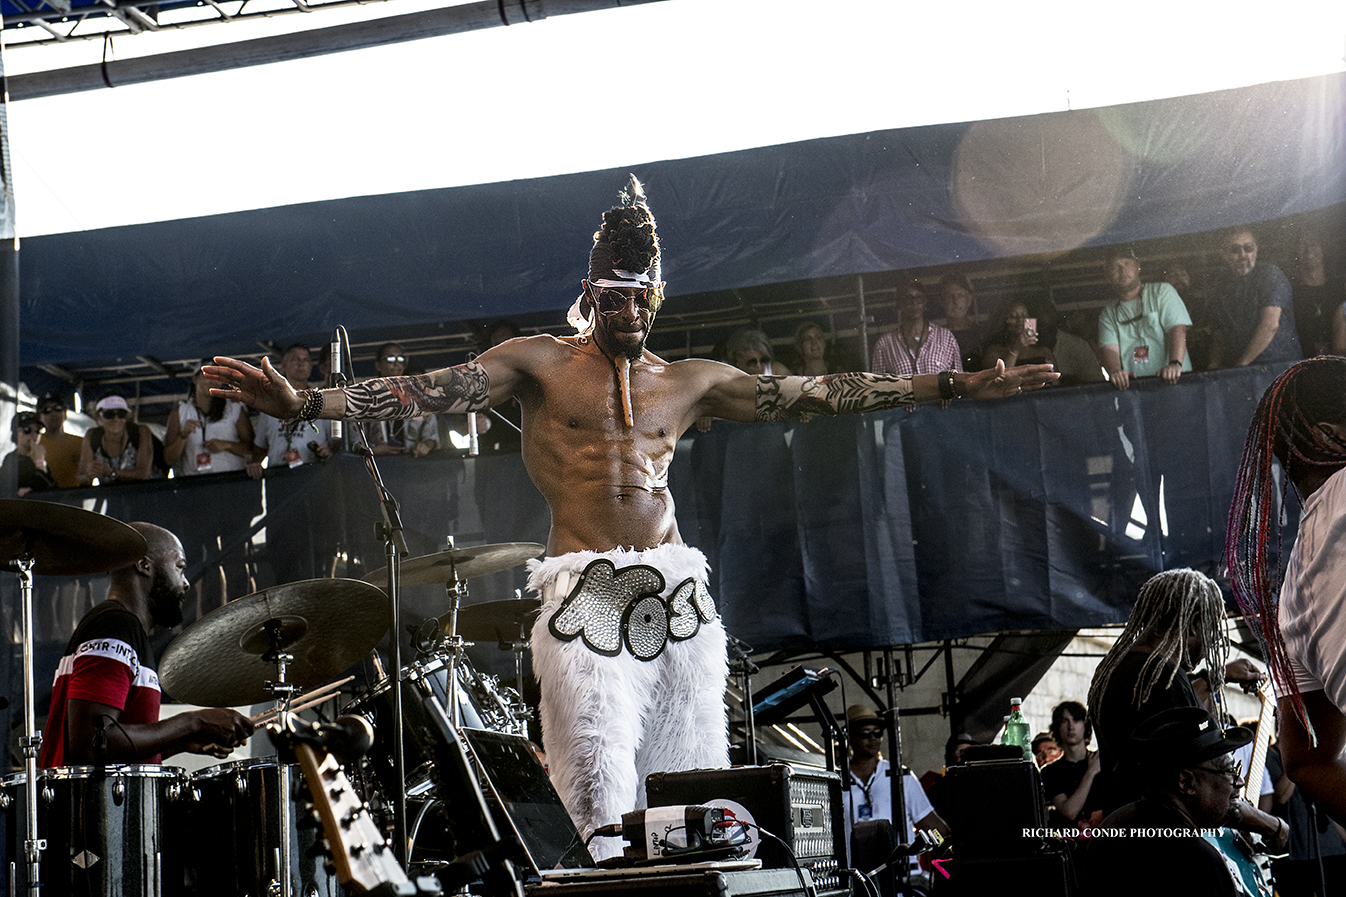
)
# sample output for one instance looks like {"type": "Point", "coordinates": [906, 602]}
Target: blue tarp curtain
{"type": "Point", "coordinates": [1037, 512]}
{"type": "Point", "coordinates": [880, 201]}
{"type": "Point", "coordinates": [1040, 511]}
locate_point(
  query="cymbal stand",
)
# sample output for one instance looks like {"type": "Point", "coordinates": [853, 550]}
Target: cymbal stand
{"type": "Point", "coordinates": [520, 646]}
{"type": "Point", "coordinates": [31, 742]}
{"type": "Point", "coordinates": [282, 885]}
{"type": "Point", "coordinates": [456, 589]}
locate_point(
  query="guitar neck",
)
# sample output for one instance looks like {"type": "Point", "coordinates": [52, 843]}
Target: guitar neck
{"type": "Point", "coordinates": [1252, 789]}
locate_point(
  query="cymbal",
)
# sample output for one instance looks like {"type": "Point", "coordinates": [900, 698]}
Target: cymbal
{"type": "Point", "coordinates": [327, 624]}
{"type": "Point", "coordinates": [65, 540]}
{"type": "Point", "coordinates": [479, 560]}
{"type": "Point", "coordinates": [495, 620]}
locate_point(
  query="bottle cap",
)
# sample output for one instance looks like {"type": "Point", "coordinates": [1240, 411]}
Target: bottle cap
{"type": "Point", "coordinates": [1016, 700]}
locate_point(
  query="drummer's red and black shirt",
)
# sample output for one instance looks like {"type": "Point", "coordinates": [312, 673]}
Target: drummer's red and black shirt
{"type": "Point", "coordinates": [108, 661]}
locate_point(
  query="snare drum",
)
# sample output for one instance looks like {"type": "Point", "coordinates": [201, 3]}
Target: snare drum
{"type": "Point", "coordinates": [109, 832]}
{"type": "Point", "coordinates": [236, 833]}
{"type": "Point", "coordinates": [423, 679]}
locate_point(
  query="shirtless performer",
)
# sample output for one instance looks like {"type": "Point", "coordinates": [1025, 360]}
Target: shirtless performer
{"type": "Point", "coordinates": [629, 648]}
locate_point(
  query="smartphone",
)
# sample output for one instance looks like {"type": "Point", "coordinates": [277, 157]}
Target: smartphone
{"type": "Point", "coordinates": [1031, 325]}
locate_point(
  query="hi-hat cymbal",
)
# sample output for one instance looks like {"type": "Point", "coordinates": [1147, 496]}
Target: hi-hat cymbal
{"type": "Point", "coordinates": [65, 540]}
{"type": "Point", "coordinates": [495, 621]}
{"type": "Point", "coordinates": [438, 568]}
{"type": "Point", "coordinates": [326, 624]}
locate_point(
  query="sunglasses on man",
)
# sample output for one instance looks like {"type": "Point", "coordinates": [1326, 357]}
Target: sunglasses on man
{"type": "Point", "coordinates": [394, 359]}
{"type": "Point", "coordinates": [613, 302]}
{"type": "Point", "coordinates": [50, 409]}
{"type": "Point", "coordinates": [110, 413]}
{"type": "Point", "coordinates": [29, 429]}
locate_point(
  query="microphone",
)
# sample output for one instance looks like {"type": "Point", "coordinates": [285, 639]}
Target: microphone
{"type": "Point", "coordinates": [336, 378]}
{"type": "Point", "coordinates": [349, 738]}
{"type": "Point", "coordinates": [473, 448]}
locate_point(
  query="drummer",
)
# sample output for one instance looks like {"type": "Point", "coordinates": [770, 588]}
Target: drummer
{"type": "Point", "coordinates": [105, 700]}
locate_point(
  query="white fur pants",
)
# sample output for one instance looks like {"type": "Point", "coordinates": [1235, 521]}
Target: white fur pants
{"type": "Point", "coordinates": [608, 722]}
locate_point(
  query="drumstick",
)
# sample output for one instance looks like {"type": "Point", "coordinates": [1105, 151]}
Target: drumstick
{"type": "Point", "coordinates": [317, 696]}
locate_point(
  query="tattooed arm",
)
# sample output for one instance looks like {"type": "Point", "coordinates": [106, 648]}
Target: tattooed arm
{"type": "Point", "coordinates": [454, 390]}
{"type": "Point", "coordinates": [737, 396]}
{"type": "Point", "coordinates": [474, 386]}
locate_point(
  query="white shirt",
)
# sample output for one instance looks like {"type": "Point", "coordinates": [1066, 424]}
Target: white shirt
{"type": "Point", "coordinates": [277, 438]}
{"type": "Point", "coordinates": [874, 800]}
{"type": "Point", "coordinates": [1313, 596]}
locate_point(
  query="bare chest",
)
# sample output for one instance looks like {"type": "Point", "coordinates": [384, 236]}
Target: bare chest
{"type": "Point", "coordinates": [585, 397]}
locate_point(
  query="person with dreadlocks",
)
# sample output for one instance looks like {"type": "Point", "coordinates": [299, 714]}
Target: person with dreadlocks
{"type": "Point", "coordinates": [1176, 626]}
{"type": "Point", "coordinates": [629, 648]}
{"type": "Point", "coordinates": [1300, 422]}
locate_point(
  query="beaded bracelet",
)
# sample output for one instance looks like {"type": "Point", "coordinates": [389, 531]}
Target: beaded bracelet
{"type": "Point", "coordinates": [946, 390]}
{"type": "Point", "coordinates": [312, 406]}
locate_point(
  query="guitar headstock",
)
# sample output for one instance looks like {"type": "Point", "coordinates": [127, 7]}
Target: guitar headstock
{"type": "Point", "coordinates": [363, 859]}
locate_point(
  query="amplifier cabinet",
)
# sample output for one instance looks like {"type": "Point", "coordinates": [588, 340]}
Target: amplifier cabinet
{"type": "Point", "coordinates": [801, 807]}
{"type": "Point", "coordinates": [991, 803]}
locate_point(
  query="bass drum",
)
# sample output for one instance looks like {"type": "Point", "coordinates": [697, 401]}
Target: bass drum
{"type": "Point", "coordinates": [235, 828]}
{"type": "Point", "coordinates": [110, 831]}
{"type": "Point", "coordinates": [479, 707]}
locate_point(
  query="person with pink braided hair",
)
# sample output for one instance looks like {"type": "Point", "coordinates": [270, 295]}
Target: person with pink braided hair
{"type": "Point", "coordinates": [1300, 422]}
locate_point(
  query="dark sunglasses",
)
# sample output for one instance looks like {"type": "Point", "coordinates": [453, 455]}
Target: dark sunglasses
{"type": "Point", "coordinates": [30, 429]}
{"type": "Point", "coordinates": [613, 302]}
{"type": "Point", "coordinates": [868, 733]}
{"type": "Point", "coordinates": [114, 412]}
{"type": "Point", "coordinates": [1233, 773]}
{"type": "Point", "coordinates": [393, 359]}
{"type": "Point", "coordinates": [1236, 248]}
{"type": "Point", "coordinates": [50, 409]}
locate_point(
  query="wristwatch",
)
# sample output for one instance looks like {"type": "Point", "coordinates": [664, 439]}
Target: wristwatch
{"type": "Point", "coordinates": [1173, 361]}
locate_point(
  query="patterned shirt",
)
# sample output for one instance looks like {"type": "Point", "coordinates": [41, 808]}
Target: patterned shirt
{"type": "Point", "coordinates": [108, 661]}
{"type": "Point", "coordinates": [939, 352]}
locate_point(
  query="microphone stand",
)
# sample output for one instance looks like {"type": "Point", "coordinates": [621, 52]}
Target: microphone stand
{"type": "Point", "coordinates": [395, 548]}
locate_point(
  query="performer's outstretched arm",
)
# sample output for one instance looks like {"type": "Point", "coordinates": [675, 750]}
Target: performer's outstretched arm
{"type": "Point", "coordinates": [745, 398]}
{"type": "Point", "coordinates": [473, 386]}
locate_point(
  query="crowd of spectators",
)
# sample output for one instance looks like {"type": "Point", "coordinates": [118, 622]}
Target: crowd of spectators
{"type": "Point", "coordinates": [1249, 312]}
{"type": "Point", "coordinates": [1164, 327]}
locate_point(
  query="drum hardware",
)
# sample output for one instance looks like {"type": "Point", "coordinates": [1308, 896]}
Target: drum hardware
{"type": "Point", "coordinates": [505, 622]}
{"type": "Point", "coordinates": [462, 563]}
{"type": "Point", "coordinates": [44, 538]}
{"type": "Point", "coordinates": [112, 831]}
{"type": "Point", "coordinates": [308, 631]}
{"type": "Point", "coordinates": [324, 625]}
{"type": "Point", "coordinates": [236, 825]}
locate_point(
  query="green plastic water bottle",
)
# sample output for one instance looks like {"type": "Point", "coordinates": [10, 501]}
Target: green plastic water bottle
{"type": "Point", "coordinates": [1016, 729]}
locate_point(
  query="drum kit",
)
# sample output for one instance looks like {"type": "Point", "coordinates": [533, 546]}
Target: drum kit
{"type": "Point", "coordinates": [235, 828]}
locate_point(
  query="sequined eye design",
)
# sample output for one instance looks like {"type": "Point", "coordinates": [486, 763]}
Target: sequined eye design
{"type": "Point", "coordinates": [610, 606]}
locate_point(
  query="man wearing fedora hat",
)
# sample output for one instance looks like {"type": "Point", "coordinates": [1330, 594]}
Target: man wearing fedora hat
{"type": "Point", "coordinates": [870, 794]}
{"type": "Point", "coordinates": [1192, 787]}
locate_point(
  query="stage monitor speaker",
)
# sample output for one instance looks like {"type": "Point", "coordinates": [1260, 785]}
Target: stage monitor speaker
{"type": "Point", "coordinates": [802, 808]}
{"type": "Point", "coordinates": [1045, 875]}
{"type": "Point", "coordinates": [991, 803]}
